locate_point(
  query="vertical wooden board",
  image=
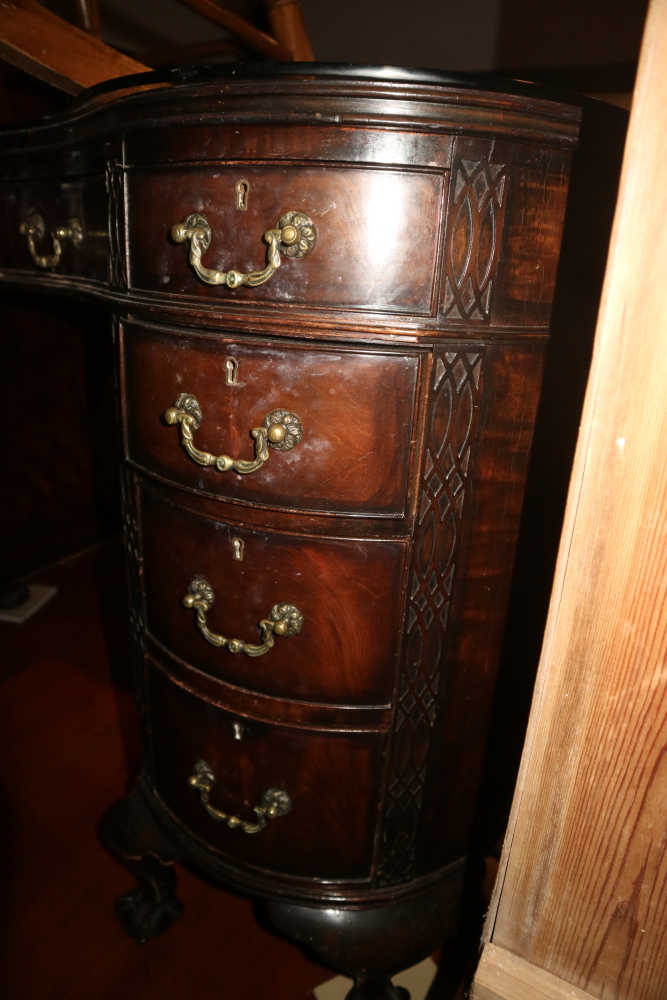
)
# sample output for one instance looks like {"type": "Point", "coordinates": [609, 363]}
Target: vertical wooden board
{"type": "Point", "coordinates": [46, 46]}
{"type": "Point", "coordinates": [504, 976]}
{"type": "Point", "coordinates": [582, 892]}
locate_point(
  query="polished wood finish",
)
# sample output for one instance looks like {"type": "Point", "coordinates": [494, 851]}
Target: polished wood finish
{"type": "Point", "coordinates": [49, 48]}
{"type": "Point", "coordinates": [57, 203]}
{"type": "Point", "coordinates": [409, 343]}
{"type": "Point", "coordinates": [358, 217]}
{"type": "Point", "coordinates": [581, 891]}
{"type": "Point", "coordinates": [505, 434]}
{"type": "Point", "coordinates": [349, 592]}
{"type": "Point", "coordinates": [318, 142]}
{"type": "Point", "coordinates": [328, 776]}
{"type": "Point", "coordinates": [338, 466]}
{"type": "Point", "coordinates": [375, 943]}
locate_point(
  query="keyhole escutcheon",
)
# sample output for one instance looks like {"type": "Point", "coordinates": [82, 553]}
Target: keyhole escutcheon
{"type": "Point", "coordinates": [231, 371]}
{"type": "Point", "coordinates": [242, 191]}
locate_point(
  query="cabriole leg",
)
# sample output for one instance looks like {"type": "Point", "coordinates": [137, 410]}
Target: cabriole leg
{"type": "Point", "coordinates": [375, 943]}
{"type": "Point", "coordinates": [376, 988]}
{"type": "Point", "coordinates": [130, 831]}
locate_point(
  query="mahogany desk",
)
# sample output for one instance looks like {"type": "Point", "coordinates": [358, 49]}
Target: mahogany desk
{"type": "Point", "coordinates": [331, 292]}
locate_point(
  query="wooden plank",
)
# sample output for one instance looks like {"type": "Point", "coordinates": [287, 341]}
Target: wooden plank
{"type": "Point", "coordinates": [582, 889]}
{"type": "Point", "coordinates": [504, 976]}
{"type": "Point", "coordinates": [49, 48]}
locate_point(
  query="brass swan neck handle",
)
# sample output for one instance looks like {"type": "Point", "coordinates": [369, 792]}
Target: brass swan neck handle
{"type": "Point", "coordinates": [275, 802]}
{"type": "Point", "coordinates": [33, 229]}
{"type": "Point", "coordinates": [294, 236]}
{"type": "Point", "coordinates": [280, 429]}
{"type": "Point", "coordinates": [284, 619]}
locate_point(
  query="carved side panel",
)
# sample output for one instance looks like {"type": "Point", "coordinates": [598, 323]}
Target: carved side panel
{"type": "Point", "coordinates": [478, 189]}
{"type": "Point", "coordinates": [133, 556]}
{"type": "Point", "coordinates": [133, 564]}
{"type": "Point", "coordinates": [444, 492]}
{"type": "Point", "coordinates": [115, 184]}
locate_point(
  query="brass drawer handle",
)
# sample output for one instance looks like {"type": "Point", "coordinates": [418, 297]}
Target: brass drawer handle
{"type": "Point", "coordinates": [275, 802]}
{"type": "Point", "coordinates": [34, 228]}
{"type": "Point", "coordinates": [280, 430]}
{"type": "Point", "coordinates": [294, 236]}
{"type": "Point", "coordinates": [284, 619]}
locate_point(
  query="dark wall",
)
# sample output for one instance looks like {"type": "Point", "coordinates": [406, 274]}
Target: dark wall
{"type": "Point", "coordinates": [58, 454]}
{"type": "Point", "coordinates": [569, 32]}
{"type": "Point", "coordinates": [447, 34]}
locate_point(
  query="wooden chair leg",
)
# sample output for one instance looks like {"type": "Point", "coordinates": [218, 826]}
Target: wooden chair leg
{"type": "Point", "coordinates": [289, 28]}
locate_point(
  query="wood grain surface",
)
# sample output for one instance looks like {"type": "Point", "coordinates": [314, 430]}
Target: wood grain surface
{"type": "Point", "coordinates": [330, 777]}
{"type": "Point", "coordinates": [411, 346]}
{"type": "Point", "coordinates": [357, 446]}
{"type": "Point", "coordinates": [49, 48]}
{"type": "Point", "coordinates": [58, 202]}
{"type": "Point", "coordinates": [501, 974]}
{"type": "Point", "coordinates": [360, 257]}
{"type": "Point", "coordinates": [350, 592]}
{"type": "Point", "coordinates": [582, 891]}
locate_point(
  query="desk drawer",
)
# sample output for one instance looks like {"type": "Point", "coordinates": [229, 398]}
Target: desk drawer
{"type": "Point", "coordinates": [356, 410]}
{"type": "Point", "coordinates": [332, 780]}
{"type": "Point", "coordinates": [35, 210]}
{"type": "Point", "coordinates": [376, 233]}
{"type": "Point", "coordinates": [348, 592]}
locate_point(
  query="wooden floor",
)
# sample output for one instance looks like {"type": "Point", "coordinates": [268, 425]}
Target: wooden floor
{"type": "Point", "coordinates": [68, 750]}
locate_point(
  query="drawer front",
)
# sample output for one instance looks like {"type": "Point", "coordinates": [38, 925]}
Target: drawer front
{"type": "Point", "coordinates": [332, 780]}
{"type": "Point", "coordinates": [348, 591]}
{"type": "Point", "coordinates": [376, 245]}
{"type": "Point", "coordinates": [356, 411]}
{"type": "Point", "coordinates": [78, 208]}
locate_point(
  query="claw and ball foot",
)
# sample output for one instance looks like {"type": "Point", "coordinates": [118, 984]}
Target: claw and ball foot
{"type": "Point", "coordinates": [376, 988]}
{"type": "Point", "coordinates": [129, 830]}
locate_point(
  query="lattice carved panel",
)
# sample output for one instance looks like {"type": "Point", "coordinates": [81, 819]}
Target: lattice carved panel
{"type": "Point", "coordinates": [445, 485]}
{"type": "Point", "coordinates": [115, 184]}
{"type": "Point", "coordinates": [474, 228]}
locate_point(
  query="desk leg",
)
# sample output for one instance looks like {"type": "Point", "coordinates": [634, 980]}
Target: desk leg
{"type": "Point", "coordinates": [131, 833]}
{"type": "Point", "coordinates": [372, 944]}
{"type": "Point", "coordinates": [376, 988]}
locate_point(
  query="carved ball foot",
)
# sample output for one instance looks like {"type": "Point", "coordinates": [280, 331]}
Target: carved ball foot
{"type": "Point", "coordinates": [376, 988]}
{"type": "Point", "coordinates": [143, 917]}
{"type": "Point", "coordinates": [131, 832]}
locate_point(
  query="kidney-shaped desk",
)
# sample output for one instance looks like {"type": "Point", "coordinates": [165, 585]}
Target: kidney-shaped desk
{"type": "Point", "coordinates": [331, 297]}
